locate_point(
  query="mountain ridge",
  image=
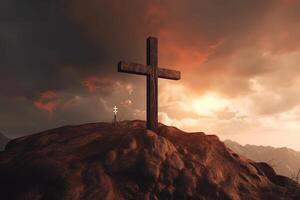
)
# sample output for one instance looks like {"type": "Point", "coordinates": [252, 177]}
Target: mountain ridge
{"type": "Point", "coordinates": [285, 161]}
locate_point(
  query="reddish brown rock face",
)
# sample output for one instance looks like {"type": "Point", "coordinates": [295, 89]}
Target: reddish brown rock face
{"type": "Point", "coordinates": [102, 161]}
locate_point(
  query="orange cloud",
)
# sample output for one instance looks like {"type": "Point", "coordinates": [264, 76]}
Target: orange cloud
{"type": "Point", "coordinates": [47, 106]}
{"type": "Point", "coordinates": [91, 84]}
{"type": "Point", "coordinates": [49, 95]}
{"type": "Point", "coordinates": [289, 1]}
{"type": "Point", "coordinates": [47, 101]}
{"type": "Point", "coordinates": [94, 83]}
{"type": "Point", "coordinates": [156, 10]}
{"type": "Point", "coordinates": [155, 13]}
{"type": "Point", "coordinates": [182, 52]}
{"type": "Point", "coordinates": [106, 85]}
{"type": "Point", "coordinates": [126, 103]}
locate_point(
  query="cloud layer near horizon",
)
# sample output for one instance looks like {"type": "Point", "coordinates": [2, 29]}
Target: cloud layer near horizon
{"type": "Point", "coordinates": [239, 62]}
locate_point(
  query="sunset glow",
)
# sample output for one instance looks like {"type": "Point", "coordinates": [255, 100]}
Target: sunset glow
{"type": "Point", "coordinates": [239, 63]}
{"type": "Point", "coordinates": [208, 104]}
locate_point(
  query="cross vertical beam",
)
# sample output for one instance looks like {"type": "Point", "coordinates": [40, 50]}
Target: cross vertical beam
{"type": "Point", "coordinates": [153, 72]}
{"type": "Point", "coordinates": [152, 61]}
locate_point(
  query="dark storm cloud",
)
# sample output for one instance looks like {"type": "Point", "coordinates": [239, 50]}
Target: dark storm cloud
{"type": "Point", "coordinates": [41, 40]}
{"type": "Point", "coordinates": [37, 42]}
{"type": "Point", "coordinates": [67, 47]}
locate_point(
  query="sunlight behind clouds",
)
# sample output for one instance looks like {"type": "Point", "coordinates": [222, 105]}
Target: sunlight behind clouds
{"type": "Point", "coordinates": [208, 104]}
{"type": "Point", "coordinates": [230, 118]}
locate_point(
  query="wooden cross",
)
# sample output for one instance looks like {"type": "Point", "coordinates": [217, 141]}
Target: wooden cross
{"type": "Point", "coordinates": [152, 72]}
{"type": "Point", "coordinates": [115, 111]}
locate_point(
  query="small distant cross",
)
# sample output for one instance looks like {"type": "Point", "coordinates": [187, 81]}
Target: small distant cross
{"type": "Point", "coordinates": [115, 110]}
{"type": "Point", "coordinates": [152, 72]}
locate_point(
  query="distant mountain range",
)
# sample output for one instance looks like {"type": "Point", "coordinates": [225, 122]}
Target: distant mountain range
{"type": "Point", "coordinates": [285, 161]}
{"type": "Point", "coordinates": [3, 141]}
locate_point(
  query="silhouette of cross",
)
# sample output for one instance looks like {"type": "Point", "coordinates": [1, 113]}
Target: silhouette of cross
{"type": "Point", "coordinates": [152, 71]}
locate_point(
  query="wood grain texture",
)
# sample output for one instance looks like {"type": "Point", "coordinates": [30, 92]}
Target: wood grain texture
{"type": "Point", "coordinates": [152, 101]}
{"type": "Point", "coordinates": [169, 74]}
{"type": "Point", "coordinates": [134, 68]}
{"type": "Point", "coordinates": [140, 69]}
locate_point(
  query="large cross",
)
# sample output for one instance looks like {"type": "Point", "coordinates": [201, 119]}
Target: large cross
{"type": "Point", "coordinates": [152, 72]}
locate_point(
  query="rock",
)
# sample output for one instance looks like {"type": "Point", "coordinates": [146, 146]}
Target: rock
{"type": "Point", "coordinates": [187, 183]}
{"type": "Point", "coordinates": [98, 183]}
{"type": "Point", "coordinates": [129, 146]}
{"type": "Point", "coordinates": [103, 161]}
{"type": "Point", "coordinates": [111, 156]}
{"type": "Point", "coordinates": [151, 166]}
{"type": "Point", "coordinates": [175, 161]}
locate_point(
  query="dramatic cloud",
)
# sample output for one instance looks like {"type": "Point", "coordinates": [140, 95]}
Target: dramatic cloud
{"type": "Point", "coordinates": [239, 62]}
{"type": "Point", "coordinates": [47, 101]}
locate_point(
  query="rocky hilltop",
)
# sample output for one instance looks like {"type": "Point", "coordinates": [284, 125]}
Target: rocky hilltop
{"type": "Point", "coordinates": [285, 161]}
{"type": "Point", "coordinates": [126, 161]}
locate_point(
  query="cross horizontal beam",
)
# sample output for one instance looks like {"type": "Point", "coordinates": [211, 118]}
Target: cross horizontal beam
{"type": "Point", "coordinates": [168, 74]}
{"type": "Point", "coordinates": [135, 68]}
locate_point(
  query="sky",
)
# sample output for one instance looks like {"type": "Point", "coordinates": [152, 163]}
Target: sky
{"type": "Point", "coordinates": [239, 63]}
